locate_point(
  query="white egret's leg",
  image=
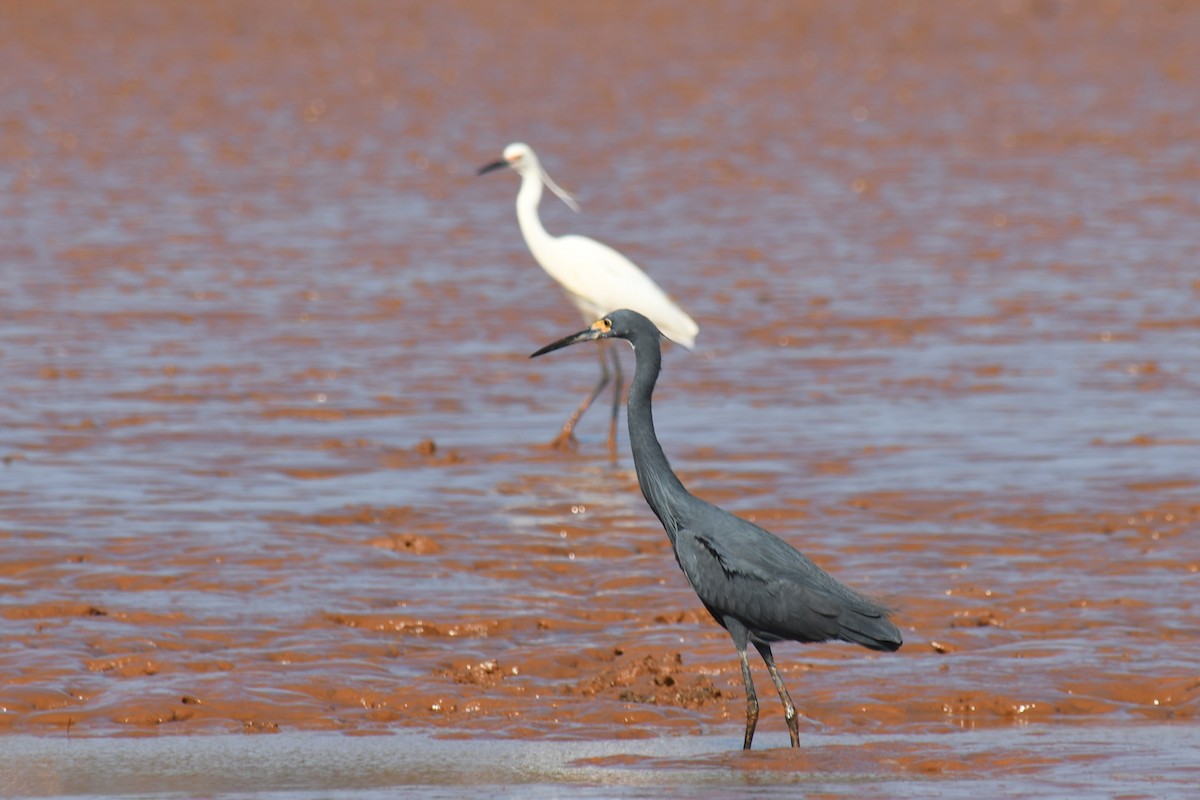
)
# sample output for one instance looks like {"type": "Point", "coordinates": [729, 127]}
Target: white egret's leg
{"type": "Point", "coordinates": [618, 390]}
{"type": "Point", "coordinates": [566, 437]}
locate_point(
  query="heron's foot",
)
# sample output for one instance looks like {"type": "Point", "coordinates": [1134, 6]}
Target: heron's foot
{"type": "Point", "coordinates": [565, 441]}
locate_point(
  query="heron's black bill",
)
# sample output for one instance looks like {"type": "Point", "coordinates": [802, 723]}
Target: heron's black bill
{"type": "Point", "coordinates": [495, 165]}
{"type": "Point", "coordinates": [583, 336]}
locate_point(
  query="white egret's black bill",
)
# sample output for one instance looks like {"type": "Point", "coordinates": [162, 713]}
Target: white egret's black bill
{"type": "Point", "coordinates": [495, 165]}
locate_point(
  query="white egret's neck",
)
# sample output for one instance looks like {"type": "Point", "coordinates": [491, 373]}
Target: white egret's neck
{"type": "Point", "coordinates": [528, 199]}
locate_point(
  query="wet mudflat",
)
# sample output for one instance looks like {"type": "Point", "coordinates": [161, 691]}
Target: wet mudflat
{"type": "Point", "coordinates": [1132, 761]}
{"type": "Point", "coordinates": [272, 447]}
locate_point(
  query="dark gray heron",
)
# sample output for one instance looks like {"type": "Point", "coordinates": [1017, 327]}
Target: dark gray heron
{"type": "Point", "coordinates": [595, 278]}
{"type": "Point", "coordinates": [755, 585]}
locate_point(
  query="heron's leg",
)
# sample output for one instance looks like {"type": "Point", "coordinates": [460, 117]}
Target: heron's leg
{"type": "Point", "coordinates": [789, 709]}
{"type": "Point", "coordinates": [619, 386]}
{"type": "Point", "coordinates": [566, 437]}
{"type": "Point", "coordinates": [751, 699]}
{"type": "Point", "coordinates": [741, 637]}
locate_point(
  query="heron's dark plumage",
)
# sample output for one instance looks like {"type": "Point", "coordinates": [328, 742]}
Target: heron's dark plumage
{"type": "Point", "coordinates": [759, 587]}
{"type": "Point", "coordinates": [739, 569]}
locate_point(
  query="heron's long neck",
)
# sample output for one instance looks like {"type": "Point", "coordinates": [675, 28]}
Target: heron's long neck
{"type": "Point", "coordinates": [662, 490]}
{"type": "Point", "coordinates": [528, 198]}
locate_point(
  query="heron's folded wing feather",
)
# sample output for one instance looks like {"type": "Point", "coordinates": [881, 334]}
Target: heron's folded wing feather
{"type": "Point", "coordinates": [766, 603]}
{"type": "Point", "coordinates": [751, 574]}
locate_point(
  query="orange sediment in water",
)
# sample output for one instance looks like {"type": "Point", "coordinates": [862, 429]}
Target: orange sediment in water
{"type": "Point", "coordinates": [271, 456]}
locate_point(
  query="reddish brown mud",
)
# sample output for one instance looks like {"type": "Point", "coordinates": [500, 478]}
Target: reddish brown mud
{"type": "Point", "coordinates": [274, 456]}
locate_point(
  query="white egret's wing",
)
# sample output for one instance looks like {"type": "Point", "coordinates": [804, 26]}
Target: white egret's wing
{"type": "Point", "coordinates": [600, 280]}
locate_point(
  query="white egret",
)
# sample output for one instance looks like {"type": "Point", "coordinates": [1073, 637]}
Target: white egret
{"type": "Point", "coordinates": [596, 279]}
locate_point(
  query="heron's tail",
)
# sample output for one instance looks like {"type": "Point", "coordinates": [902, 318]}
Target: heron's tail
{"type": "Point", "coordinates": [871, 629]}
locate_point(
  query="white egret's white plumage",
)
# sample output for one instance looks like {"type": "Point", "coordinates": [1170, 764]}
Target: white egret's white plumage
{"type": "Point", "coordinates": [596, 278]}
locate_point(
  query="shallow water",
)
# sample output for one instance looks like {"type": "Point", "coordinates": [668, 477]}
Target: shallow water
{"type": "Point", "coordinates": [273, 450]}
{"type": "Point", "coordinates": [1020, 761]}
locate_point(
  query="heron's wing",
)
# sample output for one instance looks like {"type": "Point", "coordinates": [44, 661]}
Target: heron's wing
{"type": "Point", "coordinates": [741, 570]}
{"type": "Point", "coordinates": [599, 280]}
{"type": "Point", "coordinates": [765, 600]}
